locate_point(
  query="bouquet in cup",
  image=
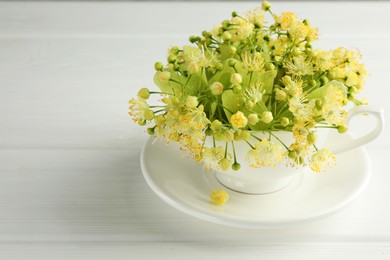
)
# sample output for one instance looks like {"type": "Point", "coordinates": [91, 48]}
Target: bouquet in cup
{"type": "Point", "coordinates": [246, 80]}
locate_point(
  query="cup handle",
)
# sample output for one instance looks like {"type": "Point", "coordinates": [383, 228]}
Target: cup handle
{"type": "Point", "coordinates": [377, 113]}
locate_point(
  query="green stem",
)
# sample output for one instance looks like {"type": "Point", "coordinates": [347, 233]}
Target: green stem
{"type": "Point", "coordinates": [285, 146]}
{"type": "Point", "coordinates": [250, 145]}
{"type": "Point", "coordinates": [226, 148]}
{"type": "Point", "coordinates": [325, 126]}
{"type": "Point", "coordinates": [234, 152]}
{"type": "Point", "coordinates": [257, 138]}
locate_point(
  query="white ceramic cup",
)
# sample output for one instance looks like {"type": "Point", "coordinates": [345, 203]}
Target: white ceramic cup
{"type": "Point", "coordinates": [266, 180]}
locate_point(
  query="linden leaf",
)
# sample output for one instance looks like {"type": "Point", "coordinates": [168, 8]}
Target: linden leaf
{"type": "Point", "coordinates": [231, 102]}
{"type": "Point", "coordinates": [213, 108]}
{"type": "Point", "coordinates": [169, 86]}
{"type": "Point", "coordinates": [321, 92]}
{"type": "Point", "coordinates": [225, 52]}
{"type": "Point", "coordinates": [194, 85]}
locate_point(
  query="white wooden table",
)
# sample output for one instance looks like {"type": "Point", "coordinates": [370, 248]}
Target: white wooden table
{"type": "Point", "coordinates": [71, 186]}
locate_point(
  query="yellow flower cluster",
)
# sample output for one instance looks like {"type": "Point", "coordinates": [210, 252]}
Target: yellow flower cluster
{"type": "Point", "coordinates": [250, 75]}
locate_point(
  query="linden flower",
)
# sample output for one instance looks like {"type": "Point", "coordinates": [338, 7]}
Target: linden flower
{"type": "Point", "coordinates": [256, 16]}
{"type": "Point", "coordinates": [219, 197]}
{"type": "Point", "coordinates": [301, 108]}
{"type": "Point", "coordinates": [211, 156]}
{"type": "Point", "coordinates": [253, 62]}
{"type": "Point", "coordinates": [137, 109]}
{"type": "Point", "coordinates": [298, 30]}
{"type": "Point", "coordinates": [254, 92]}
{"type": "Point", "coordinates": [321, 160]}
{"type": "Point", "coordinates": [225, 164]}
{"type": "Point", "coordinates": [294, 86]}
{"type": "Point", "coordinates": [332, 110]}
{"type": "Point", "coordinates": [299, 66]}
{"type": "Point", "coordinates": [241, 29]}
{"type": "Point", "coordinates": [322, 60]}
{"type": "Point", "coordinates": [238, 120]}
{"type": "Point", "coordinates": [265, 154]}
{"type": "Point", "coordinates": [202, 58]}
{"type": "Point", "coordinates": [286, 20]}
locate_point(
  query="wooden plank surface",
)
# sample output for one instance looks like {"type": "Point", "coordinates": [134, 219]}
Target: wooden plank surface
{"type": "Point", "coordinates": [71, 185]}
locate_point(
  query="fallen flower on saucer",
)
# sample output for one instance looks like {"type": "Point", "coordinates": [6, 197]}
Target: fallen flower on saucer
{"type": "Point", "coordinates": [219, 197]}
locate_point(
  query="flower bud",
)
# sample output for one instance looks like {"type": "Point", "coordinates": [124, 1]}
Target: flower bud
{"type": "Point", "coordinates": [270, 66]}
{"type": "Point", "coordinates": [234, 14]}
{"type": "Point", "coordinates": [192, 102]}
{"type": "Point", "coordinates": [194, 39]}
{"type": "Point", "coordinates": [324, 80]}
{"type": "Point", "coordinates": [219, 66]}
{"type": "Point", "coordinates": [284, 121]}
{"type": "Point", "coordinates": [236, 166]}
{"type": "Point", "coordinates": [171, 58]}
{"type": "Point", "coordinates": [216, 125]}
{"type": "Point", "coordinates": [342, 129]}
{"type": "Point", "coordinates": [141, 122]}
{"type": "Point", "coordinates": [266, 5]}
{"type": "Point", "coordinates": [225, 164]}
{"type": "Point", "coordinates": [226, 36]}
{"type": "Point", "coordinates": [150, 130]}
{"type": "Point", "coordinates": [267, 117]}
{"type": "Point", "coordinates": [232, 50]}
{"type": "Point", "coordinates": [148, 114]}
{"type": "Point", "coordinates": [236, 79]}
{"type": "Point", "coordinates": [266, 38]}
{"type": "Point", "coordinates": [331, 75]}
{"type": "Point", "coordinates": [280, 95]}
{"type": "Point", "coordinates": [174, 50]}
{"type": "Point", "coordinates": [164, 76]}
{"type": "Point", "coordinates": [249, 104]}
{"type": "Point", "coordinates": [144, 93]}
{"type": "Point", "coordinates": [292, 154]}
{"type": "Point", "coordinates": [209, 132]}
{"type": "Point", "coordinates": [253, 119]}
{"type": "Point", "coordinates": [226, 24]}
{"type": "Point", "coordinates": [158, 66]}
{"type": "Point", "coordinates": [216, 88]}
{"type": "Point", "coordinates": [237, 89]}
{"type": "Point", "coordinates": [232, 62]}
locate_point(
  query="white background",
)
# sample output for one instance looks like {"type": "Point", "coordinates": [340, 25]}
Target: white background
{"type": "Point", "coordinates": [71, 186]}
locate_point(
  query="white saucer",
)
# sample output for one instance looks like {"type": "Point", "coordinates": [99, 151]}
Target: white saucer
{"type": "Point", "coordinates": [184, 184]}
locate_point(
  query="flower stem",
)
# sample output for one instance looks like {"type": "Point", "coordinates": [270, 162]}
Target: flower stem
{"type": "Point", "coordinates": [234, 152]}
{"type": "Point", "coordinates": [280, 141]}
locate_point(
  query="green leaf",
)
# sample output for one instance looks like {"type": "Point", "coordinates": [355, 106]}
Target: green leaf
{"type": "Point", "coordinates": [195, 85]}
{"type": "Point", "coordinates": [321, 92]}
{"type": "Point", "coordinates": [169, 87]}
{"type": "Point", "coordinates": [213, 108]}
{"type": "Point", "coordinates": [232, 102]}
{"type": "Point", "coordinates": [225, 52]}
